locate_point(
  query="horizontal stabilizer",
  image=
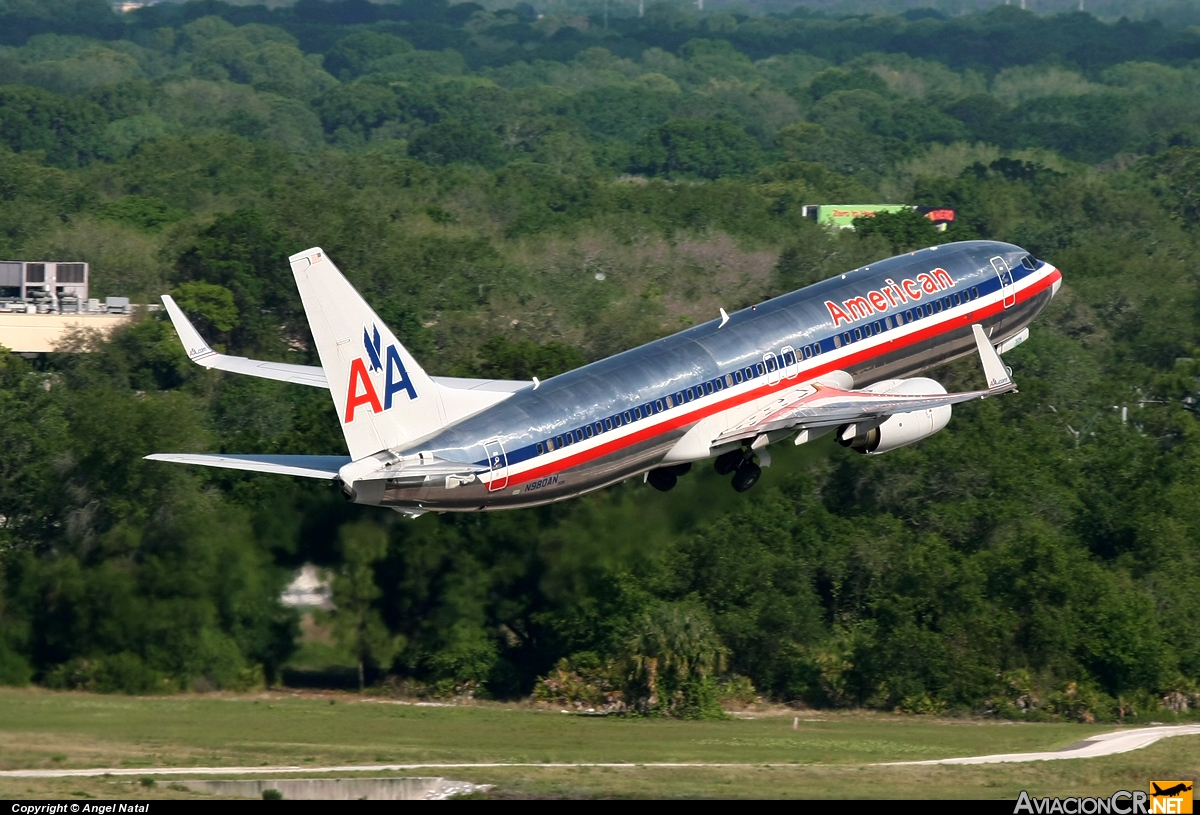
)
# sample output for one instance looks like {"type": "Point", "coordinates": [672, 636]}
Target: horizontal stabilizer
{"type": "Point", "coordinates": [306, 466]}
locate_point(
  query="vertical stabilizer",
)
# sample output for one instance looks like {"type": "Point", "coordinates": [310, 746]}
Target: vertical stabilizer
{"type": "Point", "coordinates": [383, 398]}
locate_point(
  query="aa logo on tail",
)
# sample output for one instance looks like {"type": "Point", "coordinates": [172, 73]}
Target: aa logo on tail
{"type": "Point", "coordinates": [362, 390]}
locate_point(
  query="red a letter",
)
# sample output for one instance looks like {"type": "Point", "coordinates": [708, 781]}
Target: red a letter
{"type": "Point", "coordinates": [358, 373]}
{"type": "Point", "coordinates": [836, 313]}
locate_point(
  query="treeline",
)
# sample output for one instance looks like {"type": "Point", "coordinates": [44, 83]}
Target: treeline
{"type": "Point", "coordinates": [514, 211]}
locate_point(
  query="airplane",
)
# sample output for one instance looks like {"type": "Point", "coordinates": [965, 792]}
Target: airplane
{"type": "Point", "coordinates": [837, 357]}
{"type": "Point", "coordinates": [1170, 792]}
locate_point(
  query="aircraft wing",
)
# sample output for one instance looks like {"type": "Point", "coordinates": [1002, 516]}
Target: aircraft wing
{"type": "Point", "coordinates": [198, 351]}
{"type": "Point", "coordinates": [816, 405]}
{"type": "Point", "coordinates": [306, 466]}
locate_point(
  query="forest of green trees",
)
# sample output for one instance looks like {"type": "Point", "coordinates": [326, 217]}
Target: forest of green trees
{"type": "Point", "coordinates": [474, 172]}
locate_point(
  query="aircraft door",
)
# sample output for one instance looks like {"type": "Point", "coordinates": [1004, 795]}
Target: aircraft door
{"type": "Point", "coordinates": [772, 366]}
{"type": "Point", "coordinates": [791, 362]}
{"type": "Point", "coordinates": [1006, 281]}
{"type": "Point", "coordinates": [498, 463]}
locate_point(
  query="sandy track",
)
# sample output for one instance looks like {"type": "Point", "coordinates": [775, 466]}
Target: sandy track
{"type": "Point", "coordinates": [1108, 744]}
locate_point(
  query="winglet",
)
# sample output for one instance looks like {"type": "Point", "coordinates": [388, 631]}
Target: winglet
{"type": "Point", "coordinates": [993, 368]}
{"type": "Point", "coordinates": [197, 349]}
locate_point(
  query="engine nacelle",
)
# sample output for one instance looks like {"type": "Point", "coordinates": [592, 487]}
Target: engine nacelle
{"type": "Point", "coordinates": [901, 428]}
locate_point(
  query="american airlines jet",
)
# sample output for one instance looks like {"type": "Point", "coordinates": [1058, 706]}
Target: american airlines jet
{"type": "Point", "coordinates": [836, 357]}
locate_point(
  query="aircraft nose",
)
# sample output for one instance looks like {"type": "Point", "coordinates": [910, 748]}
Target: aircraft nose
{"type": "Point", "coordinates": [1057, 284]}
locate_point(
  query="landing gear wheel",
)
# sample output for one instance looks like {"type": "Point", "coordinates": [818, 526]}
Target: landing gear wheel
{"type": "Point", "coordinates": [682, 469]}
{"type": "Point", "coordinates": [747, 476]}
{"type": "Point", "coordinates": [728, 462]}
{"type": "Point", "coordinates": [662, 480]}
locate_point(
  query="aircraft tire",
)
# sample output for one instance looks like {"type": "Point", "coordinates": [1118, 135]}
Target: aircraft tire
{"type": "Point", "coordinates": [682, 469]}
{"type": "Point", "coordinates": [662, 480]}
{"type": "Point", "coordinates": [728, 462]}
{"type": "Point", "coordinates": [747, 476]}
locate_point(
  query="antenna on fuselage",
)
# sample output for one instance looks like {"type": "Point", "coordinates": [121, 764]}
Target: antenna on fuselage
{"type": "Point", "coordinates": [724, 318]}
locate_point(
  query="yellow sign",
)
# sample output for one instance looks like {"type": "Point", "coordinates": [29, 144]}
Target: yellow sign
{"type": "Point", "coordinates": [1171, 797]}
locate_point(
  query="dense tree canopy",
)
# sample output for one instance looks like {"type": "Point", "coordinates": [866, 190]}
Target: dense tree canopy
{"type": "Point", "coordinates": [519, 194]}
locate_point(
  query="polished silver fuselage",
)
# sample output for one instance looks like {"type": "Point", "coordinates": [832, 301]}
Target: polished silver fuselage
{"type": "Point", "coordinates": [624, 408]}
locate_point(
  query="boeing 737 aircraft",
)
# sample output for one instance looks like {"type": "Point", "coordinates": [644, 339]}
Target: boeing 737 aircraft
{"type": "Point", "coordinates": [835, 357]}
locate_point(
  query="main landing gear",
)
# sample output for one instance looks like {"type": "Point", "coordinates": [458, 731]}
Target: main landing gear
{"type": "Point", "coordinates": [665, 478]}
{"type": "Point", "coordinates": [745, 472]}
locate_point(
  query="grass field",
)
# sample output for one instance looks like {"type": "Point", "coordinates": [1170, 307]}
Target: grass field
{"type": "Point", "coordinates": [825, 757]}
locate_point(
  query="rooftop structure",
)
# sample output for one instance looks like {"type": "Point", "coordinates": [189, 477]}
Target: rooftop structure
{"type": "Point", "coordinates": [48, 286]}
{"type": "Point", "coordinates": [841, 216]}
{"type": "Point", "coordinates": [42, 301]}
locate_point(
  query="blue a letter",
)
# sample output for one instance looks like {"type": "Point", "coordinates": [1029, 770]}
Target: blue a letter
{"type": "Point", "coordinates": [392, 385]}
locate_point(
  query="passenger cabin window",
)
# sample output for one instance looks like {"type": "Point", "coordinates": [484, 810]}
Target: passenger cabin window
{"type": "Point", "coordinates": [858, 335]}
{"type": "Point", "coordinates": [737, 376]}
{"type": "Point", "coordinates": [837, 341]}
{"type": "Point", "coordinates": [608, 424]}
{"type": "Point", "coordinates": [708, 387]}
{"type": "Point", "coordinates": [974, 292]}
{"type": "Point", "coordinates": [760, 369]}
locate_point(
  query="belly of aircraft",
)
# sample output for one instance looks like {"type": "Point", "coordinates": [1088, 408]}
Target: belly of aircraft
{"type": "Point", "coordinates": [513, 493]}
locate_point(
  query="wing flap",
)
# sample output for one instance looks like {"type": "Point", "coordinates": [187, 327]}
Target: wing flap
{"type": "Point", "coordinates": [305, 466]}
{"type": "Point", "coordinates": [815, 405]}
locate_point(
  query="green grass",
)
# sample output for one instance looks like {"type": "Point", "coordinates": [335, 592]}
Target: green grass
{"type": "Point", "coordinates": [42, 729]}
{"type": "Point", "coordinates": [38, 729]}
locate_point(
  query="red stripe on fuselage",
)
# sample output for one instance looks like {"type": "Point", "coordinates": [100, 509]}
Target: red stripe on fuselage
{"type": "Point", "coordinates": [694, 416]}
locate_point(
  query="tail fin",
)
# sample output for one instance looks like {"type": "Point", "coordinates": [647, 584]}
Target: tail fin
{"type": "Point", "coordinates": [384, 399]}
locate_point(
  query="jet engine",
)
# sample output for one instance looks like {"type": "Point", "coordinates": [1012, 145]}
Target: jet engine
{"type": "Point", "coordinates": [901, 428]}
